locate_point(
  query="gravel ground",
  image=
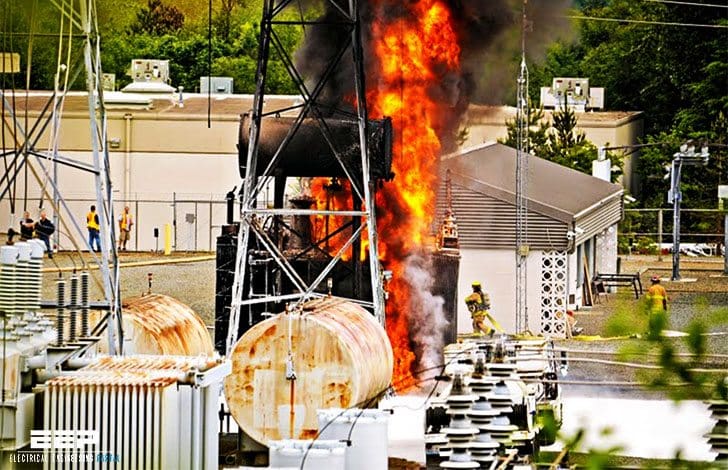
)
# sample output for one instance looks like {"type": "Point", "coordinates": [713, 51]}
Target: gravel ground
{"type": "Point", "coordinates": [702, 295]}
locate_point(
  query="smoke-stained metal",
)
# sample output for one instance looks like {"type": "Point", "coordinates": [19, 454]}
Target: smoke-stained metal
{"type": "Point", "coordinates": [294, 146]}
{"type": "Point", "coordinates": [308, 140]}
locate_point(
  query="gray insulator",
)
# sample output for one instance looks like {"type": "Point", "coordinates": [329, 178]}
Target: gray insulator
{"type": "Point", "coordinates": [60, 310]}
{"type": "Point", "coordinates": [84, 304]}
{"type": "Point", "coordinates": [73, 309]}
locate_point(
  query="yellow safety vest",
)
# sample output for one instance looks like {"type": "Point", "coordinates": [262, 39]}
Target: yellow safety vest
{"type": "Point", "coordinates": [124, 222]}
{"type": "Point", "coordinates": [91, 222]}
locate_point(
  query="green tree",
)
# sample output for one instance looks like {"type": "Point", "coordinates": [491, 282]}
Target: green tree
{"type": "Point", "coordinates": [158, 19]}
{"type": "Point", "coordinates": [558, 140]}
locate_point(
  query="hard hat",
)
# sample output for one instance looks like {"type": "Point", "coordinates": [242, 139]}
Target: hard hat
{"type": "Point", "coordinates": [476, 283]}
{"type": "Point", "coordinates": [655, 279]}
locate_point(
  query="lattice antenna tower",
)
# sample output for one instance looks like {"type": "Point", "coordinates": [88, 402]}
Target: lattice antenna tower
{"type": "Point", "coordinates": [252, 217]}
{"type": "Point", "coordinates": [522, 151]}
{"type": "Point", "coordinates": [77, 21]}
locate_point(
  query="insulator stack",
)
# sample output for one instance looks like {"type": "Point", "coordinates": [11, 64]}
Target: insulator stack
{"type": "Point", "coordinates": [8, 261]}
{"type": "Point", "coordinates": [460, 432]}
{"type": "Point", "coordinates": [484, 446]}
{"type": "Point", "coordinates": [23, 281]}
{"type": "Point", "coordinates": [60, 310]}
{"type": "Point", "coordinates": [73, 309]}
{"type": "Point", "coordinates": [718, 436]}
{"type": "Point", "coordinates": [84, 304]}
{"type": "Point", "coordinates": [500, 426]}
{"type": "Point", "coordinates": [35, 275]}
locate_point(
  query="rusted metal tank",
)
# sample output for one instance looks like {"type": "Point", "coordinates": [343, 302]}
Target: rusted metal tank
{"type": "Point", "coordinates": [340, 355]}
{"type": "Point", "coordinates": [159, 324]}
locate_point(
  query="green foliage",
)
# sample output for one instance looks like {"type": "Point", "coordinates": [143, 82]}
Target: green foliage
{"type": "Point", "coordinates": [558, 140]}
{"type": "Point", "coordinates": [158, 19]}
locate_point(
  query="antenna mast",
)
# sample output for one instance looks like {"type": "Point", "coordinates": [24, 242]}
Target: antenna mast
{"type": "Point", "coordinates": [522, 247]}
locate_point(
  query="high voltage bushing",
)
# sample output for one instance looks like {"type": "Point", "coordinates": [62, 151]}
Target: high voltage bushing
{"type": "Point", "coordinates": [460, 432]}
{"type": "Point", "coordinates": [718, 436]}
{"type": "Point", "coordinates": [73, 309]}
{"type": "Point", "coordinates": [84, 304]}
{"type": "Point", "coordinates": [484, 447]}
{"type": "Point", "coordinates": [23, 280]}
{"type": "Point", "coordinates": [35, 274]}
{"type": "Point", "coordinates": [60, 310]}
{"type": "Point", "coordinates": [8, 261]}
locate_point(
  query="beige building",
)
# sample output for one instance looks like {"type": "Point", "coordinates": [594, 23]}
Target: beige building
{"type": "Point", "coordinates": [170, 167]}
{"type": "Point", "coordinates": [602, 128]}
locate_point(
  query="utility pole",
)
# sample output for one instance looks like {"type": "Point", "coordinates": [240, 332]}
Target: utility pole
{"type": "Point", "coordinates": [686, 156]}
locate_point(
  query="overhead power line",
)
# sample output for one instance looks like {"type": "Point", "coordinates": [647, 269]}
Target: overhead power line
{"type": "Point", "coordinates": [664, 23]}
{"type": "Point", "coordinates": [692, 4]}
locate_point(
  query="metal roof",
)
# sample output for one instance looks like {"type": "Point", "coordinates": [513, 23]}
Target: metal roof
{"type": "Point", "coordinates": [553, 190]}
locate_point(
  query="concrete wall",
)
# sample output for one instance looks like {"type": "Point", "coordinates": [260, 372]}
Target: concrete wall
{"type": "Point", "coordinates": [496, 270]}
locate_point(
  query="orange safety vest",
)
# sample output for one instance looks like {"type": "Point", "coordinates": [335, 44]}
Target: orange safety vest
{"type": "Point", "coordinates": [656, 294]}
{"type": "Point", "coordinates": [92, 220]}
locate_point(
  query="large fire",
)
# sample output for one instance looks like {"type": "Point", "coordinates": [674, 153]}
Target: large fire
{"type": "Point", "coordinates": [413, 51]}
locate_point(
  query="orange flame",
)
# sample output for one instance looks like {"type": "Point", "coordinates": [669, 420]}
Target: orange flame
{"type": "Point", "coordinates": [413, 53]}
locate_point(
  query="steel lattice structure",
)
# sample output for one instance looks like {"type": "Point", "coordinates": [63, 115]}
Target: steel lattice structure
{"type": "Point", "coordinates": [77, 21]}
{"type": "Point", "coordinates": [522, 149]}
{"type": "Point", "coordinates": [252, 218]}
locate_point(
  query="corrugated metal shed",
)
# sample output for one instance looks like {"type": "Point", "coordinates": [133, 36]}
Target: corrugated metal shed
{"type": "Point", "coordinates": [559, 199]}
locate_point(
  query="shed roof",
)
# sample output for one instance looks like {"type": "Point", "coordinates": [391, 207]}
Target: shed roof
{"type": "Point", "coordinates": [552, 189]}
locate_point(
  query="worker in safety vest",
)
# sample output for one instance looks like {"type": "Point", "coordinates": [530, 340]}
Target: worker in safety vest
{"type": "Point", "coordinates": [125, 223]}
{"type": "Point", "coordinates": [92, 224]}
{"type": "Point", "coordinates": [657, 296]}
{"type": "Point", "coordinates": [478, 303]}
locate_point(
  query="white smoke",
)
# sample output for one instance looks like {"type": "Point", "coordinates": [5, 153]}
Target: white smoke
{"type": "Point", "coordinates": [427, 320]}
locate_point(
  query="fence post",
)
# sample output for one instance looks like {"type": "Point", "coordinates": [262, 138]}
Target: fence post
{"type": "Point", "coordinates": [136, 224]}
{"type": "Point", "coordinates": [659, 234]}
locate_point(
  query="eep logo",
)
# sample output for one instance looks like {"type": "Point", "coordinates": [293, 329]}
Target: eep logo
{"type": "Point", "coordinates": [62, 439]}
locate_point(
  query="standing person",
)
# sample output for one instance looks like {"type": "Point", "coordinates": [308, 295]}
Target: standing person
{"type": "Point", "coordinates": [92, 224]}
{"type": "Point", "coordinates": [26, 226]}
{"type": "Point", "coordinates": [44, 228]}
{"type": "Point", "coordinates": [125, 223]}
{"type": "Point", "coordinates": [478, 303]}
{"type": "Point", "coordinates": [657, 298]}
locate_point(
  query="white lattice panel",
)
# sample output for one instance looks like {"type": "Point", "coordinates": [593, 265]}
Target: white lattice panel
{"type": "Point", "coordinates": [553, 293]}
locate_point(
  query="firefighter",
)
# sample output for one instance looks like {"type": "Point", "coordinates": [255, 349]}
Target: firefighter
{"type": "Point", "coordinates": [657, 296]}
{"type": "Point", "coordinates": [478, 303]}
{"type": "Point", "coordinates": [657, 300]}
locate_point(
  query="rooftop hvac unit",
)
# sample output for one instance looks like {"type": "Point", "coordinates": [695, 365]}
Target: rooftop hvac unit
{"type": "Point", "coordinates": [573, 93]}
{"type": "Point", "coordinates": [222, 85]}
{"type": "Point", "coordinates": [150, 70]}
{"type": "Point", "coordinates": [141, 412]}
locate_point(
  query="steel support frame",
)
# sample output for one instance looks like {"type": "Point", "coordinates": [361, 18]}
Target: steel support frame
{"type": "Point", "coordinates": [81, 14]}
{"type": "Point", "coordinates": [361, 183]}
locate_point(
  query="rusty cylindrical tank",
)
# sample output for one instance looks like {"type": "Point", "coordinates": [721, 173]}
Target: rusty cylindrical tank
{"type": "Point", "coordinates": [158, 324]}
{"type": "Point", "coordinates": [341, 357]}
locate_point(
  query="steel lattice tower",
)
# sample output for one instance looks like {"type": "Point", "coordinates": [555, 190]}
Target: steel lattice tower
{"type": "Point", "coordinates": [78, 20]}
{"type": "Point", "coordinates": [522, 247]}
{"type": "Point", "coordinates": [362, 186]}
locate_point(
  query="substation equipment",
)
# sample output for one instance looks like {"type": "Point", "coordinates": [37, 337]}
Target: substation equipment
{"type": "Point", "coordinates": [502, 392]}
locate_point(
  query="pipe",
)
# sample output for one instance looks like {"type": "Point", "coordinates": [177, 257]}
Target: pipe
{"type": "Point", "coordinates": [127, 155]}
{"type": "Point", "coordinates": [196, 443]}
